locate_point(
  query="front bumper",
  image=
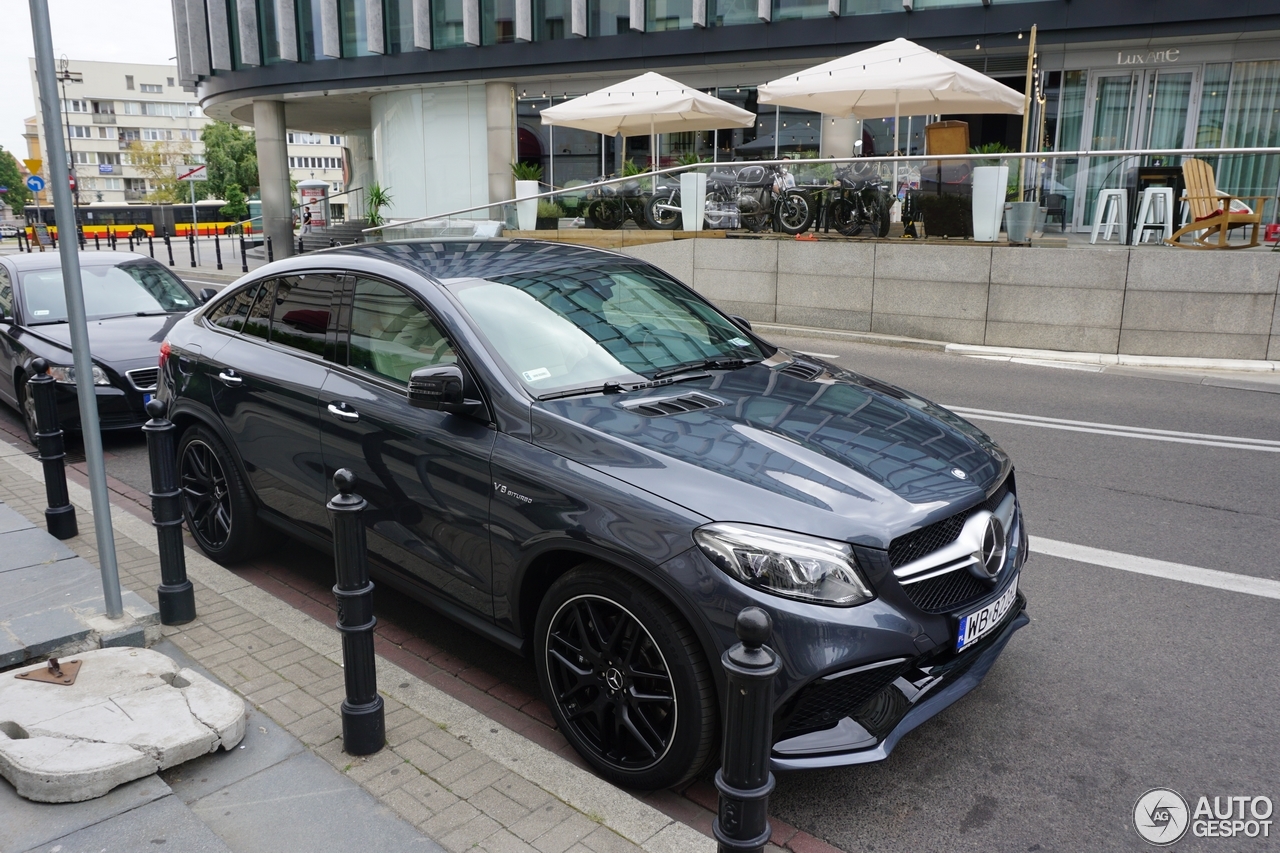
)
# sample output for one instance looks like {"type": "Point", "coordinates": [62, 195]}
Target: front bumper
{"type": "Point", "coordinates": [117, 408]}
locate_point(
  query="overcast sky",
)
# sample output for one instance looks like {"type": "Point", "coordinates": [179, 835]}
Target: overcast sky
{"type": "Point", "coordinates": [99, 30]}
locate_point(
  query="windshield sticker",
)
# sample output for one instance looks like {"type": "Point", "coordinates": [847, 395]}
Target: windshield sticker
{"type": "Point", "coordinates": [40, 313]}
{"type": "Point", "coordinates": [536, 374]}
{"type": "Point", "coordinates": [739, 342]}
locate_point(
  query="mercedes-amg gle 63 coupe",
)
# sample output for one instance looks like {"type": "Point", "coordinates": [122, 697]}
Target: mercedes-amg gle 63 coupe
{"type": "Point", "coordinates": [583, 460]}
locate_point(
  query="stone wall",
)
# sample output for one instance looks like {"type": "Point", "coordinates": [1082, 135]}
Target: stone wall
{"type": "Point", "coordinates": [1137, 301]}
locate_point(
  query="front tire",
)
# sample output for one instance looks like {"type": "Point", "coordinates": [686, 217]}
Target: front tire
{"type": "Point", "coordinates": [216, 503]}
{"type": "Point", "coordinates": [625, 678]}
{"type": "Point", "coordinates": [657, 217]}
{"type": "Point", "coordinates": [795, 213]}
{"type": "Point", "coordinates": [27, 407]}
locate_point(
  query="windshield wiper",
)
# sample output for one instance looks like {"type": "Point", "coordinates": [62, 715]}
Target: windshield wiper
{"type": "Point", "coordinates": [47, 322]}
{"type": "Point", "coordinates": [728, 363]}
{"type": "Point", "coordinates": [606, 388]}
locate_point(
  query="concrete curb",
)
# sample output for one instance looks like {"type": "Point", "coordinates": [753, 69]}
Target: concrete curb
{"type": "Point", "coordinates": [609, 806]}
{"type": "Point", "coordinates": [1061, 356]}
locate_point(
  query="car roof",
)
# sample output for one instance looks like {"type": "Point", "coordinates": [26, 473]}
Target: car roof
{"type": "Point", "coordinates": [51, 260]}
{"type": "Point", "coordinates": [452, 259]}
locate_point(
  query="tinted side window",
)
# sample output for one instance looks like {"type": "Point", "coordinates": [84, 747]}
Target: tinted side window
{"type": "Point", "coordinates": [303, 306]}
{"type": "Point", "coordinates": [391, 335]}
{"type": "Point", "coordinates": [229, 314]}
{"type": "Point", "coordinates": [6, 294]}
{"type": "Point", "coordinates": [257, 323]}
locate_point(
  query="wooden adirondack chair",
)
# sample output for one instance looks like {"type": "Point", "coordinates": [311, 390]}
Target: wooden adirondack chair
{"type": "Point", "coordinates": [1211, 211]}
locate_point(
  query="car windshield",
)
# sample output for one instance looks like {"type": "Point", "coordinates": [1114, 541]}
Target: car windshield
{"type": "Point", "coordinates": [578, 328]}
{"type": "Point", "coordinates": [121, 290]}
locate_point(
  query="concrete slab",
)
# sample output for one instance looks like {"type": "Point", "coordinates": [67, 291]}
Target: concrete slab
{"type": "Point", "coordinates": [129, 713]}
{"type": "Point", "coordinates": [30, 547]}
{"type": "Point", "coordinates": [11, 521]}
{"type": "Point", "coordinates": [294, 803]}
{"type": "Point", "coordinates": [265, 744]}
{"type": "Point", "coordinates": [28, 825]}
{"type": "Point", "coordinates": [165, 822]}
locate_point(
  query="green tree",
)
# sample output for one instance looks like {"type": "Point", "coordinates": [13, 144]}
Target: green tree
{"type": "Point", "coordinates": [232, 157]}
{"type": "Point", "coordinates": [156, 161]}
{"type": "Point", "coordinates": [10, 177]}
{"type": "Point", "coordinates": [235, 208]}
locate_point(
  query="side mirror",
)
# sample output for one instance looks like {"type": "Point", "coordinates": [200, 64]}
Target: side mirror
{"type": "Point", "coordinates": [206, 294]}
{"type": "Point", "coordinates": [742, 322]}
{"type": "Point", "coordinates": [446, 388]}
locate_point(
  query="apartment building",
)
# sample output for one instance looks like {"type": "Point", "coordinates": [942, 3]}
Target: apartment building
{"type": "Point", "coordinates": [109, 105]}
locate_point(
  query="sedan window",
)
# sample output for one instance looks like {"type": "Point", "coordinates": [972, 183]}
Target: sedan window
{"type": "Point", "coordinates": [131, 288]}
{"type": "Point", "coordinates": [230, 313]}
{"type": "Point", "coordinates": [300, 317]}
{"type": "Point", "coordinates": [391, 335]}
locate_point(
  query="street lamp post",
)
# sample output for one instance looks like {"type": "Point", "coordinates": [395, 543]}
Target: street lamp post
{"type": "Point", "coordinates": [65, 74]}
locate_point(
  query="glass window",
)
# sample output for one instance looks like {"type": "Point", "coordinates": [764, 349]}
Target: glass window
{"type": "Point", "coordinates": [1062, 179]}
{"type": "Point", "coordinates": [1213, 104]}
{"type": "Point", "coordinates": [391, 335]}
{"type": "Point", "coordinates": [552, 19]}
{"type": "Point", "coordinates": [608, 17]}
{"type": "Point", "coordinates": [229, 314]}
{"type": "Point", "coordinates": [301, 314]}
{"type": "Point", "coordinates": [561, 330]}
{"type": "Point", "coordinates": [727, 13]}
{"type": "Point", "coordinates": [787, 10]}
{"type": "Point", "coordinates": [131, 288]}
{"type": "Point", "coordinates": [497, 21]}
{"type": "Point", "coordinates": [869, 7]}
{"type": "Point", "coordinates": [446, 24]}
{"type": "Point", "coordinates": [268, 33]}
{"type": "Point", "coordinates": [668, 15]}
{"type": "Point", "coordinates": [310, 32]}
{"type": "Point", "coordinates": [399, 26]}
{"type": "Point", "coordinates": [354, 27]}
{"type": "Point", "coordinates": [6, 294]}
{"type": "Point", "coordinates": [1252, 121]}
{"type": "Point", "coordinates": [257, 323]}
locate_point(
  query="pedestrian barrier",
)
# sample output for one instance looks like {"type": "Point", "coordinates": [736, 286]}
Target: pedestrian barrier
{"type": "Point", "coordinates": [60, 516]}
{"type": "Point", "coordinates": [176, 595]}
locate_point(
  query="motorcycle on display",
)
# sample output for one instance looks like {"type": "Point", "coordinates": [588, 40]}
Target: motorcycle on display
{"type": "Point", "coordinates": [663, 208]}
{"type": "Point", "coordinates": [612, 205]}
{"type": "Point", "coordinates": [767, 196]}
{"type": "Point", "coordinates": [862, 203]}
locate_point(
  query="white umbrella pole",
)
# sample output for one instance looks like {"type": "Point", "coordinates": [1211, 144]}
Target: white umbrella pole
{"type": "Point", "coordinates": [897, 100]}
{"type": "Point", "coordinates": [777, 128]}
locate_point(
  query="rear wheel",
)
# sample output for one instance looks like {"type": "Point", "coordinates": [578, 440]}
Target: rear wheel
{"type": "Point", "coordinates": [752, 213]}
{"type": "Point", "coordinates": [215, 500]}
{"type": "Point", "coordinates": [625, 678]}
{"type": "Point", "coordinates": [844, 217]}
{"type": "Point", "coordinates": [608, 214]}
{"type": "Point", "coordinates": [878, 217]}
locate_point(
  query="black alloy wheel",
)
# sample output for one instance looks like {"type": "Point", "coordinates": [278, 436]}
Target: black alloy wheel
{"type": "Point", "coordinates": [625, 679]}
{"type": "Point", "coordinates": [27, 405]}
{"type": "Point", "coordinates": [609, 214]}
{"type": "Point", "coordinates": [844, 217]}
{"type": "Point", "coordinates": [795, 213]}
{"type": "Point", "coordinates": [215, 503]}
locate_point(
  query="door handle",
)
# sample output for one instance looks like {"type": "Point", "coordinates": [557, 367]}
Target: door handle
{"type": "Point", "coordinates": [343, 413]}
{"type": "Point", "coordinates": [229, 378]}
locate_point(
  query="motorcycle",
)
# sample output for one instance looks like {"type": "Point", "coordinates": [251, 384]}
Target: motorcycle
{"type": "Point", "coordinates": [612, 205]}
{"type": "Point", "coordinates": [663, 211]}
{"type": "Point", "coordinates": [755, 197]}
{"type": "Point", "coordinates": [862, 202]}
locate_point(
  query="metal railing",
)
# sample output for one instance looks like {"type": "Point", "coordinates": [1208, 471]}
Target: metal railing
{"type": "Point", "coordinates": [1034, 158]}
{"type": "Point", "coordinates": [296, 210]}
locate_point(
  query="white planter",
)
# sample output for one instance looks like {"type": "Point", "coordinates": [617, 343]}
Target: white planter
{"type": "Point", "coordinates": [527, 211]}
{"type": "Point", "coordinates": [990, 184]}
{"type": "Point", "coordinates": [693, 199]}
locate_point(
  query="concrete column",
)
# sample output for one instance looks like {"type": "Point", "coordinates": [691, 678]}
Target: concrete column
{"type": "Point", "coordinates": [273, 176]}
{"type": "Point", "coordinates": [360, 150]}
{"type": "Point", "coordinates": [838, 135]}
{"type": "Point", "coordinates": [499, 104]}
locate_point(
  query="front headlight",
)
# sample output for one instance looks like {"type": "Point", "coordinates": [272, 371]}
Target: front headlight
{"type": "Point", "coordinates": [788, 564]}
{"type": "Point", "coordinates": [67, 375]}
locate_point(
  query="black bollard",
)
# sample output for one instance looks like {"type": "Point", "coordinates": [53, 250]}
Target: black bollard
{"type": "Point", "coordinates": [130, 241]}
{"type": "Point", "coordinates": [191, 243]}
{"type": "Point", "coordinates": [744, 779]}
{"type": "Point", "coordinates": [151, 247]}
{"type": "Point", "coordinates": [217, 249]}
{"type": "Point", "coordinates": [96, 245]}
{"type": "Point", "coordinates": [177, 597]}
{"type": "Point", "coordinates": [363, 722]}
{"type": "Point", "coordinates": [244, 259]}
{"type": "Point", "coordinates": [80, 237]}
{"type": "Point", "coordinates": [60, 517]}
{"type": "Point", "coordinates": [270, 255]}
{"type": "Point", "coordinates": [301, 250]}
{"type": "Point", "coordinates": [168, 245]}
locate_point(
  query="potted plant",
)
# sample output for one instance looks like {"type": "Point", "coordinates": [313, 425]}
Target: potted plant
{"type": "Point", "coordinates": [549, 214]}
{"type": "Point", "coordinates": [990, 189]}
{"type": "Point", "coordinates": [375, 199]}
{"type": "Point", "coordinates": [528, 183]}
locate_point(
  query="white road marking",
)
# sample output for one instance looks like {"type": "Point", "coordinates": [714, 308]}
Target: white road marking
{"type": "Point", "coordinates": [1157, 568]}
{"type": "Point", "coordinates": [1120, 431]}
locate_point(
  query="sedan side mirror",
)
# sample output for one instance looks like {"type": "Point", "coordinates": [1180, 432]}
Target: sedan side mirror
{"type": "Point", "coordinates": [446, 388]}
{"type": "Point", "coordinates": [742, 322]}
{"type": "Point", "coordinates": [206, 294]}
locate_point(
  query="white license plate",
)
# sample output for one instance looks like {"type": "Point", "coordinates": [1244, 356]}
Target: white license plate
{"type": "Point", "coordinates": [979, 623]}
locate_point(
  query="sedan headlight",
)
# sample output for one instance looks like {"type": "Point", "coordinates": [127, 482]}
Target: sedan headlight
{"type": "Point", "coordinates": [788, 564]}
{"type": "Point", "coordinates": [67, 375]}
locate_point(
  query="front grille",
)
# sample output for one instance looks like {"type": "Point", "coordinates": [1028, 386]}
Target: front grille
{"type": "Point", "coordinates": [940, 594]}
{"type": "Point", "coordinates": [912, 546]}
{"type": "Point", "coordinates": [824, 703]}
{"type": "Point", "coordinates": [144, 378]}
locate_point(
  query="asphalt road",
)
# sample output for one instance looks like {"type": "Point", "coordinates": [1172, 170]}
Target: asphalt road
{"type": "Point", "coordinates": [1123, 682]}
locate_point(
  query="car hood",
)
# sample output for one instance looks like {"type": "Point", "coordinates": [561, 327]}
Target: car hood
{"type": "Point", "coordinates": [122, 343]}
{"type": "Point", "coordinates": [793, 443]}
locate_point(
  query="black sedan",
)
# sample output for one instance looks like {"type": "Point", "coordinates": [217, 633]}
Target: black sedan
{"type": "Point", "coordinates": [131, 302]}
{"type": "Point", "coordinates": [583, 460]}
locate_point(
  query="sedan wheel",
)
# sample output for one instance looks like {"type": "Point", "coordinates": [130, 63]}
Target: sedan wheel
{"type": "Point", "coordinates": [626, 680]}
{"type": "Point", "coordinates": [27, 404]}
{"type": "Point", "coordinates": [215, 502]}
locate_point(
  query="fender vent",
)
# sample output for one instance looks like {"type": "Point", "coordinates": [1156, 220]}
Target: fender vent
{"type": "Point", "coordinates": [658, 407]}
{"type": "Point", "coordinates": [802, 370]}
